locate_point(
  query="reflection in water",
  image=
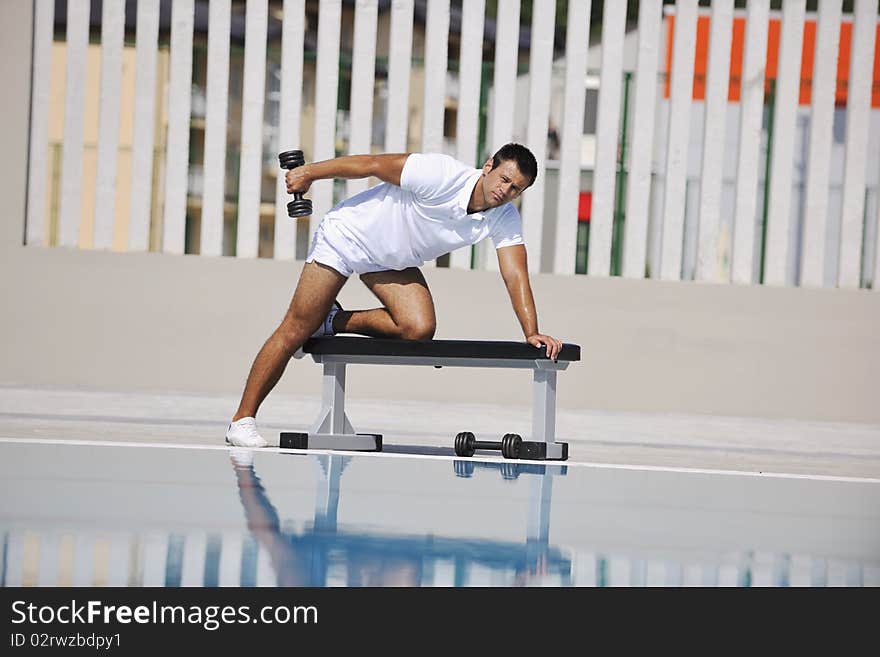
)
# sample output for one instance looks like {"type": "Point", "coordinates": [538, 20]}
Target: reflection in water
{"type": "Point", "coordinates": [276, 552]}
{"type": "Point", "coordinates": [310, 557]}
{"type": "Point", "coordinates": [273, 553]}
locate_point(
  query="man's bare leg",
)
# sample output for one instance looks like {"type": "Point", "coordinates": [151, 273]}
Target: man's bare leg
{"type": "Point", "coordinates": [317, 288]}
{"type": "Point", "coordinates": [408, 312]}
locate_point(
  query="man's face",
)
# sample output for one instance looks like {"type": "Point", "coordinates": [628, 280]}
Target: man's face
{"type": "Point", "coordinates": [504, 183]}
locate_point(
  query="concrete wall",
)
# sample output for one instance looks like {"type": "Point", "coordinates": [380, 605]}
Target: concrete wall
{"type": "Point", "coordinates": [188, 323]}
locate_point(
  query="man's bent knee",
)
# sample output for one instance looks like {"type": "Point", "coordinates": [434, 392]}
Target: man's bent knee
{"type": "Point", "coordinates": [417, 330]}
{"type": "Point", "coordinates": [293, 337]}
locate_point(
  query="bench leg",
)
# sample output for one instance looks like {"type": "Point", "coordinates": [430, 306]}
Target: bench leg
{"type": "Point", "coordinates": [544, 415]}
{"type": "Point", "coordinates": [332, 429]}
{"type": "Point", "coordinates": [332, 418]}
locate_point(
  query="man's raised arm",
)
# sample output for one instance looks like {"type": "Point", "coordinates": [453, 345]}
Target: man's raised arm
{"type": "Point", "coordinates": [386, 168]}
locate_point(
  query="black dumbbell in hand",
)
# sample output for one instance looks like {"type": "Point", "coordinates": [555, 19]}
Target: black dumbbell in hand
{"type": "Point", "coordinates": [299, 206]}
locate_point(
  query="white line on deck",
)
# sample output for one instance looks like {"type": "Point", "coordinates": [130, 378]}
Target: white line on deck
{"type": "Point", "coordinates": [442, 457]}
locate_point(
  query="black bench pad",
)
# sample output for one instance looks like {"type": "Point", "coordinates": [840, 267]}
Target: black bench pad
{"type": "Point", "coordinates": [343, 345]}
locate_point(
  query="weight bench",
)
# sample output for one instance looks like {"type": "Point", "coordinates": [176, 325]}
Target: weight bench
{"type": "Point", "coordinates": [333, 430]}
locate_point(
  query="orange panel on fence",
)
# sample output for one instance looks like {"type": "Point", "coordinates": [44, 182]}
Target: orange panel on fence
{"type": "Point", "coordinates": [701, 59]}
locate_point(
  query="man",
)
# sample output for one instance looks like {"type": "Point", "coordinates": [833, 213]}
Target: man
{"type": "Point", "coordinates": [426, 206]}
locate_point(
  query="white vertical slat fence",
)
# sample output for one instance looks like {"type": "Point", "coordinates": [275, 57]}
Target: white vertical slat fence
{"type": "Point", "coordinates": [112, 36]}
{"type": "Point", "coordinates": [540, 68]}
{"type": "Point", "coordinates": [326, 97]}
{"type": "Point", "coordinates": [682, 78]}
{"type": "Point", "coordinates": [216, 107]}
{"type": "Point", "coordinates": [638, 185]}
{"type": "Point", "coordinates": [470, 71]}
{"type": "Point", "coordinates": [788, 75]}
{"type": "Point", "coordinates": [568, 191]}
{"type": "Point", "coordinates": [44, 11]}
{"type": "Point", "coordinates": [750, 118]}
{"type": "Point", "coordinates": [363, 80]}
{"type": "Point", "coordinates": [858, 104]}
{"type": "Point", "coordinates": [179, 106]}
{"type": "Point", "coordinates": [711, 166]}
{"type": "Point", "coordinates": [74, 110]}
{"type": "Point", "coordinates": [607, 135]}
{"type": "Point", "coordinates": [290, 112]}
{"type": "Point", "coordinates": [821, 122]}
{"type": "Point", "coordinates": [250, 176]}
{"type": "Point", "coordinates": [832, 252]}
{"type": "Point", "coordinates": [146, 48]}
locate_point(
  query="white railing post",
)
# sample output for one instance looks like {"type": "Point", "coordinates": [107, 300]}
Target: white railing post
{"type": "Point", "coordinates": [326, 97]}
{"type": "Point", "coordinates": [638, 181]}
{"type": "Point", "coordinates": [363, 82]}
{"type": "Point", "coordinates": [681, 94]}
{"type": "Point", "coordinates": [399, 66]}
{"type": "Point", "coordinates": [858, 105]}
{"type": "Point", "coordinates": [748, 154]}
{"type": "Point", "coordinates": [607, 135]}
{"type": "Point", "coordinates": [434, 97]}
{"type": "Point", "coordinates": [436, 54]}
{"type": "Point", "coordinates": [250, 177]}
{"type": "Point", "coordinates": [146, 49]}
{"type": "Point", "coordinates": [470, 71]}
{"type": "Point", "coordinates": [216, 103]}
{"type": "Point", "coordinates": [112, 36]}
{"type": "Point", "coordinates": [712, 165]}
{"type": "Point", "coordinates": [577, 44]}
{"type": "Point", "coordinates": [540, 71]}
{"type": "Point", "coordinates": [74, 118]}
{"type": "Point", "coordinates": [38, 170]}
{"type": "Point", "coordinates": [179, 106]}
{"type": "Point", "coordinates": [503, 88]}
{"type": "Point", "coordinates": [819, 158]}
{"type": "Point", "coordinates": [290, 115]}
{"type": "Point", "coordinates": [791, 45]}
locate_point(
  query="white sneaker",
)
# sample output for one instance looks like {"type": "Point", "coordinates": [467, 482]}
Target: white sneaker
{"type": "Point", "coordinates": [327, 327]}
{"type": "Point", "coordinates": [243, 433]}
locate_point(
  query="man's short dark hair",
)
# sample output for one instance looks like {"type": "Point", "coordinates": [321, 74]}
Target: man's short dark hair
{"type": "Point", "coordinates": [523, 157]}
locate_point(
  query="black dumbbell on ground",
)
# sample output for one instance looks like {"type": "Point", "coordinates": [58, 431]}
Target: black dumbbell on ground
{"type": "Point", "coordinates": [466, 444]}
{"type": "Point", "coordinates": [299, 206]}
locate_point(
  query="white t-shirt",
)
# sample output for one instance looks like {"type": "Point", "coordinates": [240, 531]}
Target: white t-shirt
{"type": "Point", "coordinates": [425, 217]}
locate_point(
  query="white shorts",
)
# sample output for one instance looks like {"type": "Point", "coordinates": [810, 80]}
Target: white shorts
{"type": "Point", "coordinates": [331, 248]}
